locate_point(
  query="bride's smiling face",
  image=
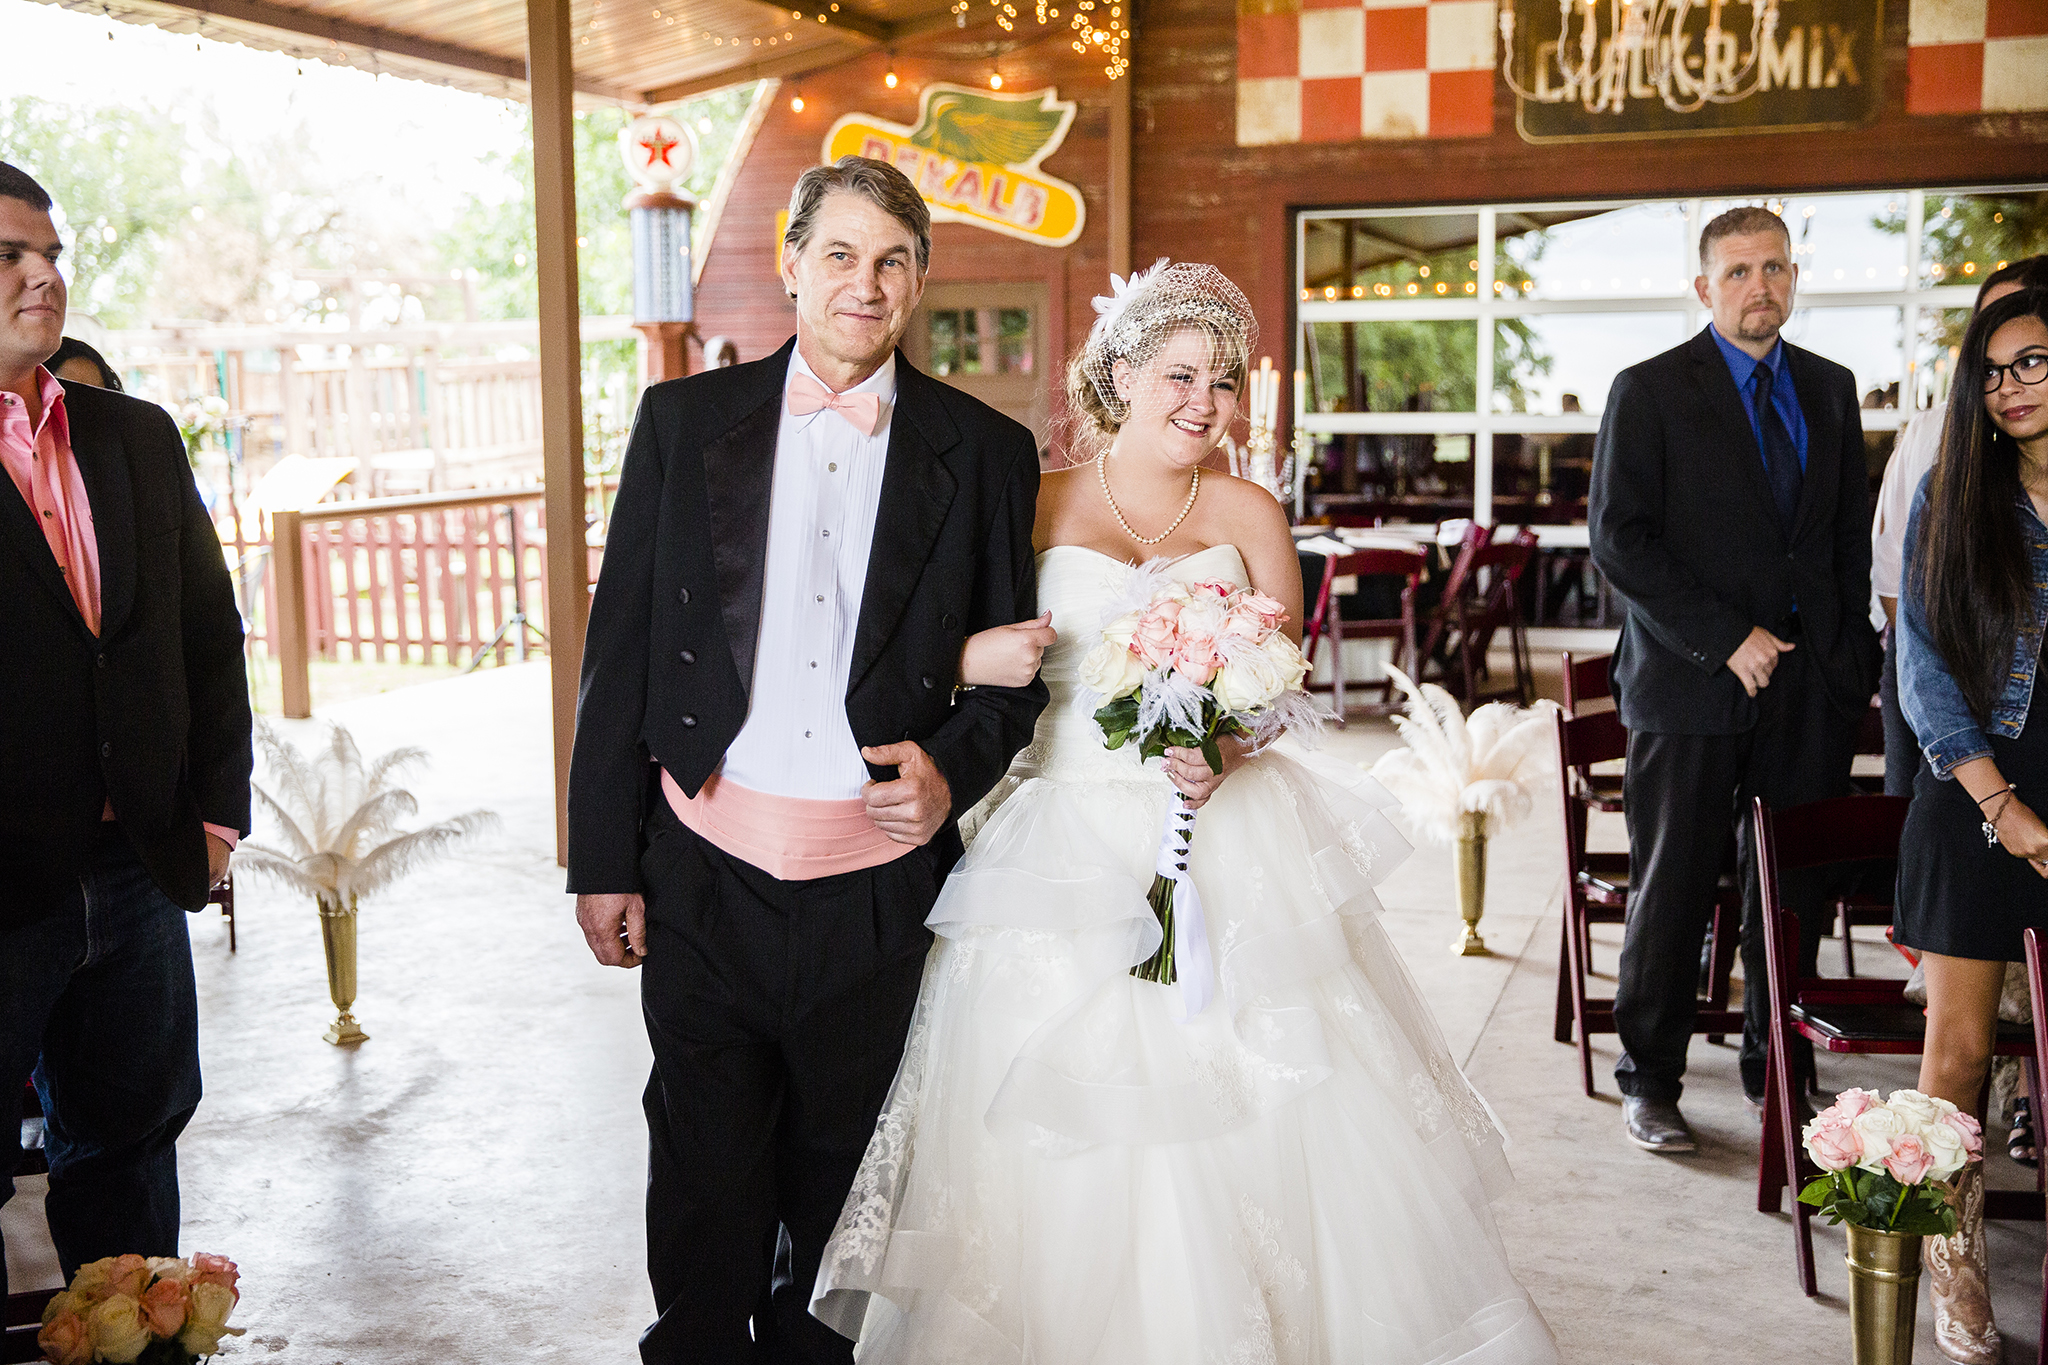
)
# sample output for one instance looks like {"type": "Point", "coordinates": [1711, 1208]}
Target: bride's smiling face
{"type": "Point", "coordinates": [1181, 401]}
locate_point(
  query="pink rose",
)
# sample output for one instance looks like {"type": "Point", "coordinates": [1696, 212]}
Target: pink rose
{"type": "Point", "coordinates": [1157, 633]}
{"type": "Point", "coordinates": [1268, 609]}
{"type": "Point", "coordinates": [1215, 587]}
{"type": "Point", "coordinates": [208, 1268]}
{"type": "Point", "coordinates": [1852, 1102]}
{"type": "Point", "coordinates": [66, 1340]}
{"type": "Point", "coordinates": [163, 1308]}
{"type": "Point", "coordinates": [1967, 1128]}
{"type": "Point", "coordinates": [1909, 1160]}
{"type": "Point", "coordinates": [1244, 624]}
{"type": "Point", "coordinates": [1833, 1144]}
{"type": "Point", "coordinates": [1196, 659]}
{"type": "Point", "coordinates": [128, 1275]}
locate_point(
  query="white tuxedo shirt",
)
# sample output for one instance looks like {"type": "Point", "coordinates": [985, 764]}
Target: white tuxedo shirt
{"type": "Point", "coordinates": [821, 525]}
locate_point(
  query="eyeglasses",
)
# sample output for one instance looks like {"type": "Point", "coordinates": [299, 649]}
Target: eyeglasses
{"type": "Point", "coordinates": [2028, 369]}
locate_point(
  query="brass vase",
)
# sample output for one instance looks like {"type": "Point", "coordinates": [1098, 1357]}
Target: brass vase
{"type": "Point", "coordinates": [338, 937]}
{"type": "Point", "coordinates": [1884, 1295]}
{"type": "Point", "coordinates": [1471, 883]}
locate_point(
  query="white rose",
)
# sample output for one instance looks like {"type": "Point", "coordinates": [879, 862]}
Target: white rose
{"type": "Point", "coordinates": [117, 1331]}
{"type": "Point", "coordinates": [1123, 628]}
{"type": "Point", "coordinates": [1286, 657]}
{"type": "Point", "coordinates": [1877, 1126]}
{"type": "Point", "coordinates": [1205, 616]}
{"type": "Point", "coordinates": [1945, 1145]}
{"type": "Point", "coordinates": [1112, 670]}
{"type": "Point", "coordinates": [1918, 1110]}
{"type": "Point", "coordinates": [208, 1319]}
{"type": "Point", "coordinates": [1248, 681]}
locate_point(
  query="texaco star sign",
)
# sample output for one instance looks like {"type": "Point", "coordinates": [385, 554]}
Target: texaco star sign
{"type": "Point", "coordinates": [659, 150]}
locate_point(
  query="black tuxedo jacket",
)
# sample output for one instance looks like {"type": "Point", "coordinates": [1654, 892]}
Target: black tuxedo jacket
{"type": "Point", "coordinates": [154, 713]}
{"type": "Point", "coordinates": [1684, 528]}
{"type": "Point", "coordinates": [668, 660]}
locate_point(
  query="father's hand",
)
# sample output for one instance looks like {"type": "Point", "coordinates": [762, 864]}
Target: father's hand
{"type": "Point", "coordinates": [615, 927]}
{"type": "Point", "coordinates": [1756, 658]}
{"type": "Point", "coordinates": [217, 855]}
{"type": "Point", "coordinates": [911, 808]}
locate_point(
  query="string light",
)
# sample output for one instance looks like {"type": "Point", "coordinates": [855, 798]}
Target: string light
{"type": "Point", "coordinates": [889, 79]}
{"type": "Point", "coordinates": [796, 102]}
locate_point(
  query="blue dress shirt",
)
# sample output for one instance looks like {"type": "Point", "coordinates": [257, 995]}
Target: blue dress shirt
{"type": "Point", "coordinates": [1742, 368]}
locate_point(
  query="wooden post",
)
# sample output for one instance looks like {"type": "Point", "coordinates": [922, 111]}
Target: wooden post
{"type": "Point", "coordinates": [1120, 175]}
{"type": "Point", "coordinates": [550, 75]}
{"type": "Point", "coordinates": [288, 557]}
{"type": "Point", "coordinates": [664, 350]}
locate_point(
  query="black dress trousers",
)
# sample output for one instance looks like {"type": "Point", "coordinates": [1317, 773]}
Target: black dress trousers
{"type": "Point", "coordinates": [777, 1011]}
{"type": "Point", "coordinates": [1684, 791]}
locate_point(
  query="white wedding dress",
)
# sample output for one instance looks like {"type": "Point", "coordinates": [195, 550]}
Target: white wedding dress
{"type": "Point", "coordinates": [1065, 1175]}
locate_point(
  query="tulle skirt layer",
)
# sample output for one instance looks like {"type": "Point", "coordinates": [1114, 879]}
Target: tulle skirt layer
{"type": "Point", "coordinates": [1067, 1174]}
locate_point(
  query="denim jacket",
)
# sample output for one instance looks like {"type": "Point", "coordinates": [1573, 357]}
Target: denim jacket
{"type": "Point", "coordinates": [1942, 721]}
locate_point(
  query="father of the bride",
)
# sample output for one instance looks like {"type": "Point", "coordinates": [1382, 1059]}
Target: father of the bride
{"type": "Point", "coordinates": [771, 755]}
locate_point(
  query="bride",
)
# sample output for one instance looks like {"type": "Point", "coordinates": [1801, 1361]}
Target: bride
{"type": "Point", "coordinates": [1065, 1173]}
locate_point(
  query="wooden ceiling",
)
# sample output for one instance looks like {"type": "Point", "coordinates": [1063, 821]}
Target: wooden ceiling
{"type": "Point", "coordinates": [634, 52]}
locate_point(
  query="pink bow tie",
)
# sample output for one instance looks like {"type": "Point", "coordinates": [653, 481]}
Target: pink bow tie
{"type": "Point", "coordinates": [863, 410]}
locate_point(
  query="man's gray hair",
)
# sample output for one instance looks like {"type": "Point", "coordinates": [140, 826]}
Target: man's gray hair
{"type": "Point", "coordinates": [1740, 222]}
{"type": "Point", "coordinates": [887, 188]}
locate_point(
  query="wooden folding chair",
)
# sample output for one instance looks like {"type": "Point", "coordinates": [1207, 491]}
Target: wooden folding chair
{"type": "Point", "coordinates": [223, 895]}
{"type": "Point", "coordinates": [1469, 613]}
{"type": "Point", "coordinates": [2038, 989]}
{"type": "Point", "coordinates": [1596, 892]}
{"type": "Point", "coordinates": [1837, 1014]}
{"type": "Point", "coordinates": [1326, 622]}
{"type": "Point", "coordinates": [1862, 907]}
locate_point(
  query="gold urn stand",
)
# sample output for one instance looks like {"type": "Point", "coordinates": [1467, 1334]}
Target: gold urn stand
{"type": "Point", "coordinates": [338, 937]}
{"type": "Point", "coordinates": [1471, 868]}
{"type": "Point", "coordinates": [1884, 1295]}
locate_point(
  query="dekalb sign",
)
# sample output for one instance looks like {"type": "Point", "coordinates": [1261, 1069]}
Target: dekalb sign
{"type": "Point", "coordinates": [974, 157]}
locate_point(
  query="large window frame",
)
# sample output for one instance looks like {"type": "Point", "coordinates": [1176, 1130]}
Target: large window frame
{"type": "Point", "coordinates": [1485, 308]}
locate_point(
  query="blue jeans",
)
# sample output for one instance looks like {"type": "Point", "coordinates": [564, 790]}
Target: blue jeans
{"type": "Point", "coordinates": [97, 1003]}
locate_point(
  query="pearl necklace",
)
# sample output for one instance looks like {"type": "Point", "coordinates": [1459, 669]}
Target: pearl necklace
{"type": "Point", "coordinates": [1194, 487]}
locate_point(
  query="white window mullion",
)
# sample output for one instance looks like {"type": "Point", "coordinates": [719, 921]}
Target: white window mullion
{"type": "Point", "coordinates": [1482, 388]}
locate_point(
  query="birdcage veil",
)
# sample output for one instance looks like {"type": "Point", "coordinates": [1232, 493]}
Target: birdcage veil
{"type": "Point", "coordinates": [1141, 314]}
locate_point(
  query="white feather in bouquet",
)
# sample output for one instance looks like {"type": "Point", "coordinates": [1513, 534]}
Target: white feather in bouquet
{"type": "Point", "coordinates": [1454, 765]}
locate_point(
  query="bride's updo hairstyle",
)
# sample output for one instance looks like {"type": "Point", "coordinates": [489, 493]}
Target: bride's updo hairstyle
{"type": "Point", "coordinates": [1135, 323]}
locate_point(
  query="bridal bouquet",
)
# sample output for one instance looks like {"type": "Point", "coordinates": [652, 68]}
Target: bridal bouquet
{"type": "Point", "coordinates": [158, 1310]}
{"type": "Point", "coordinates": [1883, 1161]}
{"type": "Point", "coordinates": [1192, 662]}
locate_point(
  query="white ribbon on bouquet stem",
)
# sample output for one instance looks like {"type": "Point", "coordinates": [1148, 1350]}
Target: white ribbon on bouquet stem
{"type": "Point", "coordinates": [1194, 970]}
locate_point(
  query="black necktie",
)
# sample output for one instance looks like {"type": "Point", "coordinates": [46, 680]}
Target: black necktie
{"type": "Point", "coordinates": [1781, 457]}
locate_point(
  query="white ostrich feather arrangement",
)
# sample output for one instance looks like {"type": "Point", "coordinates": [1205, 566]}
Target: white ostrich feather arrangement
{"type": "Point", "coordinates": [1454, 765]}
{"type": "Point", "coordinates": [339, 817]}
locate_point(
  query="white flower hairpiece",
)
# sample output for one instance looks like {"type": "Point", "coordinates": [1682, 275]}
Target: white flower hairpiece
{"type": "Point", "coordinates": [1109, 307]}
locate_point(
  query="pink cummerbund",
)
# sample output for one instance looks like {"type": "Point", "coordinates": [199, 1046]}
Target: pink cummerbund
{"type": "Point", "coordinates": [791, 838]}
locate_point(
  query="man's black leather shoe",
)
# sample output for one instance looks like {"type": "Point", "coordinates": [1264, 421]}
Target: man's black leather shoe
{"type": "Point", "coordinates": [1657, 1126]}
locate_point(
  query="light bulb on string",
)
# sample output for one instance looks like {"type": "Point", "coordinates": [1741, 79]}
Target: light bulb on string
{"type": "Point", "coordinates": [796, 102]}
{"type": "Point", "coordinates": [995, 79]}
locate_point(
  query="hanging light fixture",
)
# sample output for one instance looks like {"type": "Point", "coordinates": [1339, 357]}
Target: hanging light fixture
{"type": "Point", "coordinates": [890, 79]}
{"type": "Point", "coordinates": [796, 101]}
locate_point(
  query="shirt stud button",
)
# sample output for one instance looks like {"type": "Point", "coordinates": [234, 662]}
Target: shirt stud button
{"type": "Point", "coordinates": [814, 663]}
{"type": "Point", "coordinates": [833, 467]}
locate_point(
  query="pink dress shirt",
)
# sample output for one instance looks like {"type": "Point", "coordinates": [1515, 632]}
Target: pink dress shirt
{"type": "Point", "coordinates": [39, 460]}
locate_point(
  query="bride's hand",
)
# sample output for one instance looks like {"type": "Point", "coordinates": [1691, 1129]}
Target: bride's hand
{"type": "Point", "coordinates": [1006, 656]}
{"type": "Point", "coordinates": [1191, 772]}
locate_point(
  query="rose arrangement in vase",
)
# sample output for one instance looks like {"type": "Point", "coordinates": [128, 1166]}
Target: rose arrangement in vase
{"type": "Point", "coordinates": [136, 1310]}
{"type": "Point", "coordinates": [1192, 663]}
{"type": "Point", "coordinates": [1883, 1162]}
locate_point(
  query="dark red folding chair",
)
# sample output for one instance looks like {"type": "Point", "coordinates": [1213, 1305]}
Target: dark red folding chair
{"type": "Point", "coordinates": [1326, 622]}
{"type": "Point", "coordinates": [1479, 600]}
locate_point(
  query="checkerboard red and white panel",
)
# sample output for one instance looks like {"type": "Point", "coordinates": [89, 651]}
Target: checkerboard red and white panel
{"type": "Point", "coordinates": [1976, 56]}
{"type": "Point", "coordinates": [1339, 70]}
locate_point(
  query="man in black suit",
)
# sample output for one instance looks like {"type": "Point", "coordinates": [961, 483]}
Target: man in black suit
{"type": "Point", "coordinates": [1731, 514]}
{"type": "Point", "coordinates": [771, 754]}
{"type": "Point", "coordinates": [124, 767]}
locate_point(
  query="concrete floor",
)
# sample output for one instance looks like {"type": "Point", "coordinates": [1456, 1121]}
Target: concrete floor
{"type": "Point", "coordinates": [465, 1187]}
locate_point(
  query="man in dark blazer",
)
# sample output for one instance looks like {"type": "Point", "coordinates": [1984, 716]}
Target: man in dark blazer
{"type": "Point", "coordinates": [1730, 512]}
{"type": "Point", "coordinates": [771, 754]}
{"type": "Point", "coordinates": [124, 767]}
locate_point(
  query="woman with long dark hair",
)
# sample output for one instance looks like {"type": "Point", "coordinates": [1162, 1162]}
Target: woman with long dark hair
{"type": "Point", "coordinates": [1973, 864]}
